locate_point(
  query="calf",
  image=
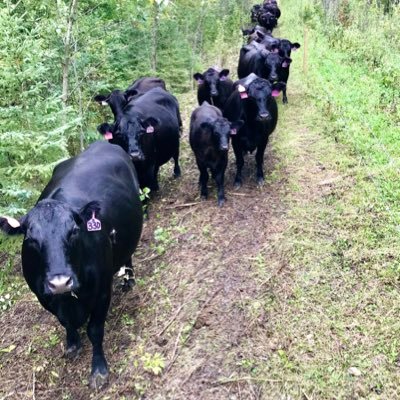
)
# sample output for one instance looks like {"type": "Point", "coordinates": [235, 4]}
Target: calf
{"type": "Point", "coordinates": [209, 140]}
{"type": "Point", "coordinates": [85, 225]}
{"type": "Point", "coordinates": [252, 101]}
{"type": "Point", "coordinates": [148, 130]}
{"type": "Point", "coordinates": [214, 87]}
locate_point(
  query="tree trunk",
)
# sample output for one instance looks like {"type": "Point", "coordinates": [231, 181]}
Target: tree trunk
{"type": "Point", "coordinates": [67, 54]}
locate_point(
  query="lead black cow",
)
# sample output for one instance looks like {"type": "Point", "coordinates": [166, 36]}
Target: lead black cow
{"type": "Point", "coordinates": [214, 87]}
{"type": "Point", "coordinates": [252, 101]}
{"type": "Point", "coordinates": [209, 140]}
{"type": "Point", "coordinates": [148, 129]}
{"type": "Point", "coordinates": [85, 225]}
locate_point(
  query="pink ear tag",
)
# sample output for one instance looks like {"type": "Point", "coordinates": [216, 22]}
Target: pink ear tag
{"type": "Point", "coordinates": [243, 92]}
{"type": "Point", "coordinates": [223, 78]}
{"type": "Point", "coordinates": [150, 129]}
{"type": "Point", "coordinates": [93, 225]}
{"type": "Point", "coordinates": [200, 81]}
{"type": "Point", "coordinates": [285, 64]}
{"type": "Point", "coordinates": [108, 136]}
{"type": "Point", "coordinates": [233, 131]}
{"type": "Point", "coordinates": [275, 93]}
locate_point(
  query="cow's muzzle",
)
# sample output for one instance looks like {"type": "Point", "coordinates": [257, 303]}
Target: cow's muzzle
{"type": "Point", "coordinates": [60, 284]}
{"type": "Point", "coordinates": [137, 156]}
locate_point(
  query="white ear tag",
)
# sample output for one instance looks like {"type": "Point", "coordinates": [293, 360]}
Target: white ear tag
{"type": "Point", "coordinates": [93, 224]}
{"type": "Point", "coordinates": [150, 129]}
{"type": "Point", "coordinates": [243, 92]}
{"type": "Point", "coordinates": [13, 222]}
{"type": "Point", "coordinates": [104, 103]}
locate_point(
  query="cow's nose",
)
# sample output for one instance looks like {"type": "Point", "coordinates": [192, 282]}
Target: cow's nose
{"type": "Point", "coordinates": [136, 156]}
{"type": "Point", "coordinates": [264, 116]}
{"type": "Point", "coordinates": [214, 93]}
{"type": "Point", "coordinates": [60, 284]}
{"type": "Point", "coordinates": [274, 77]}
{"type": "Point", "coordinates": [224, 147]}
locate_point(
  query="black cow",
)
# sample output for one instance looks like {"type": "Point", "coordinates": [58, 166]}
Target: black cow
{"type": "Point", "coordinates": [148, 130]}
{"type": "Point", "coordinates": [254, 12]}
{"type": "Point", "coordinates": [272, 7]}
{"type": "Point", "coordinates": [254, 58]}
{"type": "Point", "coordinates": [284, 48]}
{"type": "Point", "coordinates": [214, 87]}
{"type": "Point", "coordinates": [267, 19]}
{"type": "Point", "coordinates": [252, 101]}
{"type": "Point", "coordinates": [209, 139]}
{"type": "Point", "coordinates": [85, 225]}
{"type": "Point", "coordinates": [117, 99]}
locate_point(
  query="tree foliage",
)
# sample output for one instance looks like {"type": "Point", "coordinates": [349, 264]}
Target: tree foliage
{"type": "Point", "coordinates": [112, 43]}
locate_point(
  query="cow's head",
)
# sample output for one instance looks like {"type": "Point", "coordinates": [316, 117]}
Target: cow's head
{"type": "Point", "coordinates": [259, 92]}
{"type": "Point", "coordinates": [52, 249]}
{"type": "Point", "coordinates": [267, 19]}
{"type": "Point", "coordinates": [211, 80]}
{"type": "Point", "coordinates": [221, 130]}
{"type": "Point", "coordinates": [273, 63]}
{"type": "Point", "coordinates": [130, 134]}
{"type": "Point", "coordinates": [116, 100]}
{"type": "Point", "coordinates": [286, 47]}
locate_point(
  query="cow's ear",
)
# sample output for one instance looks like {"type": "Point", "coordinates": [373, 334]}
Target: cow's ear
{"type": "Point", "coordinates": [260, 35]}
{"type": "Point", "coordinates": [277, 88]}
{"type": "Point", "coordinates": [150, 123]}
{"type": "Point", "coordinates": [198, 77]}
{"type": "Point", "coordinates": [286, 62]}
{"type": "Point", "coordinates": [130, 93]}
{"type": "Point", "coordinates": [106, 130]}
{"type": "Point", "coordinates": [236, 125]}
{"type": "Point", "coordinates": [206, 126]}
{"type": "Point", "coordinates": [247, 32]}
{"type": "Point", "coordinates": [101, 99]}
{"type": "Point", "coordinates": [11, 226]}
{"type": "Point", "coordinates": [87, 212]}
{"type": "Point", "coordinates": [295, 46]}
{"type": "Point", "coordinates": [224, 74]}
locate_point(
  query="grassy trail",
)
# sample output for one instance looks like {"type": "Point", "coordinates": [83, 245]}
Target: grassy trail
{"type": "Point", "coordinates": [265, 298]}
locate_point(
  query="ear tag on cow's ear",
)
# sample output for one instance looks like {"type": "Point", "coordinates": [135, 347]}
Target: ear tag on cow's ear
{"type": "Point", "coordinates": [233, 131]}
{"type": "Point", "coordinates": [93, 225]}
{"type": "Point", "coordinates": [200, 81]}
{"type": "Point", "coordinates": [150, 129]}
{"type": "Point", "coordinates": [275, 93]}
{"type": "Point", "coordinates": [104, 103]}
{"type": "Point", "coordinates": [108, 136]}
{"type": "Point", "coordinates": [243, 92]}
{"type": "Point", "coordinates": [14, 223]}
{"type": "Point", "coordinates": [285, 64]}
{"type": "Point", "coordinates": [223, 78]}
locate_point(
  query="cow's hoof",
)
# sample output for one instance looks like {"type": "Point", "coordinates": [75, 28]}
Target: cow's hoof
{"type": "Point", "coordinates": [221, 202]}
{"type": "Point", "coordinates": [203, 197]}
{"type": "Point", "coordinates": [98, 380]}
{"type": "Point", "coordinates": [177, 174]}
{"type": "Point", "coordinates": [72, 352]}
{"type": "Point", "coordinates": [237, 185]}
{"type": "Point", "coordinates": [260, 181]}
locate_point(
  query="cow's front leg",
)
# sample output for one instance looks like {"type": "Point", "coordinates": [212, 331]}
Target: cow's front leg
{"type": "Point", "coordinates": [203, 180]}
{"type": "Point", "coordinates": [219, 179]}
{"type": "Point", "coordinates": [239, 165]}
{"type": "Point", "coordinates": [95, 331]}
{"type": "Point", "coordinates": [259, 164]}
{"type": "Point", "coordinates": [73, 343]}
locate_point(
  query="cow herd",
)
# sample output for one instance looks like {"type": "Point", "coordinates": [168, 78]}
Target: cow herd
{"type": "Point", "coordinates": [88, 219]}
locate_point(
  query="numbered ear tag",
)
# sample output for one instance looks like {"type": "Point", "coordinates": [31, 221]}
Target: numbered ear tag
{"type": "Point", "coordinates": [233, 131]}
{"type": "Point", "coordinates": [93, 225]}
{"type": "Point", "coordinates": [150, 129]}
{"type": "Point", "coordinates": [243, 92]}
{"type": "Point", "coordinates": [108, 135]}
